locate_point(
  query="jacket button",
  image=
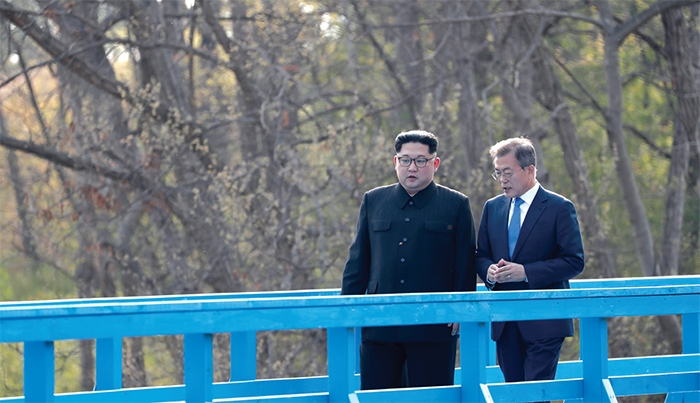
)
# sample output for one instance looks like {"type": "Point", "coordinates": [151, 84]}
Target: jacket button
{"type": "Point", "coordinates": [408, 219]}
{"type": "Point", "coordinates": [403, 260]}
{"type": "Point", "coordinates": [402, 281]}
{"type": "Point", "coordinates": [405, 239]}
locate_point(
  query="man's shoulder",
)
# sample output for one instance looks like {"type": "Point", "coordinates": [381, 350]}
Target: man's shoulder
{"type": "Point", "coordinates": [445, 191]}
{"type": "Point", "coordinates": [496, 199]}
{"type": "Point", "coordinates": [382, 190]}
{"type": "Point", "coordinates": [553, 196]}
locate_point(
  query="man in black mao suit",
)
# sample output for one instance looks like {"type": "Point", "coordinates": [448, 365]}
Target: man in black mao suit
{"type": "Point", "coordinates": [547, 252]}
{"type": "Point", "coordinates": [413, 236]}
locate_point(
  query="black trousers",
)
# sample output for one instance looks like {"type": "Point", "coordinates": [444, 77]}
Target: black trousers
{"type": "Point", "coordinates": [426, 364]}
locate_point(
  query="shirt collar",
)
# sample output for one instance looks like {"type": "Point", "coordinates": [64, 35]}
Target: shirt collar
{"type": "Point", "coordinates": [420, 199]}
{"type": "Point", "coordinates": [529, 196]}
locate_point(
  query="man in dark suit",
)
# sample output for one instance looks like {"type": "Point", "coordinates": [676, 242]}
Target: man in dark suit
{"type": "Point", "coordinates": [413, 236]}
{"type": "Point", "coordinates": [541, 248]}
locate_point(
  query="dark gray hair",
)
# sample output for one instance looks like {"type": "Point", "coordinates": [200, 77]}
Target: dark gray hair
{"type": "Point", "coordinates": [521, 147]}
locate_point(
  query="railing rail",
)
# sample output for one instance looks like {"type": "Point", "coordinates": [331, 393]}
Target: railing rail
{"type": "Point", "coordinates": [593, 378]}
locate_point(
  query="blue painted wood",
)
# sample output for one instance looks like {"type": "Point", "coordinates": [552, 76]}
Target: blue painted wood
{"type": "Point", "coordinates": [486, 393]}
{"type": "Point", "coordinates": [199, 367]}
{"type": "Point", "coordinates": [676, 398]}
{"type": "Point", "coordinates": [313, 387]}
{"type": "Point", "coordinates": [266, 387]}
{"type": "Point", "coordinates": [410, 395]}
{"type": "Point", "coordinates": [594, 355]}
{"type": "Point", "coordinates": [609, 396]}
{"type": "Point", "coordinates": [341, 363]}
{"type": "Point", "coordinates": [177, 394]}
{"type": "Point", "coordinates": [690, 397]}
{"type": "Point", "coordinates": [108, 363]}
{"type": "Point", "coordinates": [492, 347]}
{"type": "Point", "coordinates": [159, 318]}
{"type": "Point", "coordinates": [243, 356]}
{"type": "Point", "coordinates": [175, 298]}
{"type": "Point", "coordinates": [473, 360]}
{"type": "Point", "coordinates": [634, 282]}
{"type": "Point", "coordinates": [616, 367]}
{"type": "Point", "coordinates": [626, 282]}
{"type": "Point", "coordinates": [564, 389]}
{"type": "Point", "coordinates": [358, 343]}
{"type": "Point", "coordinates": [39, 381]}
{"type": "Point", "coordinates": [493, 374]}
{"type": "Point", "coordinates": [632, 365]}
{"type": "Point", "coordinates": [199, 316]}
{"type": "Point", "coordinates": [632, 385]}
{"type": "Point", "coordinates": [691, 333]}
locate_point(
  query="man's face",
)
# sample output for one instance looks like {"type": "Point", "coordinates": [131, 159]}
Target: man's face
{"type": "Point", "coordinates": [413, 178]}
{"type": "Point", "coordinates": [514, 180]}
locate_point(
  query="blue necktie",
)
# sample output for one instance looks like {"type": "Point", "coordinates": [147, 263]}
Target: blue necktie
{"type": "Point", "coordinates": [514, 227]}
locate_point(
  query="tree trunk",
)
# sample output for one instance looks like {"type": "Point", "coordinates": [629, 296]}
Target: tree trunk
{"type": "Point", "coordinates": [409, 52]}
{"type": "Point", "coordinates": [623, 166]}
{"type": "Point", "coordinates": [514, 64]}
{"type": "Point", "coordinates": [462, 51]}
{"type": "Point", "coordinates": [18, 186]}
{"type": "Point", "coordinates": [600, 259]}
{"type": "Point", "coordinates": [686, 78]}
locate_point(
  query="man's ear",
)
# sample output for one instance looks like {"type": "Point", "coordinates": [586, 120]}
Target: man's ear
{"type": "Point", "coordinates": [436, 164]}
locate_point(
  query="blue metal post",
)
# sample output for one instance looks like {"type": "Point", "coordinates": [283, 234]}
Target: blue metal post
{"type": "Point", "coordinates": [39, 367]}
{"type": "Point", "coordinates": [243, 356]}
{"type": "Point", "coordinates": [341, 363]}
{"type": "Point", "coordinates": [594, 354]}
{"type": "Point", "coordinates": [474, 354]}
{"type": "Point", "coordinates": [108, 363]}
{"type": "Point", "coordinates": [199, 368]}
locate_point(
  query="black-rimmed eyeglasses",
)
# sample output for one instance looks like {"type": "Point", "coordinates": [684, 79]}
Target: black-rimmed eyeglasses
{"type": "Point", "coordinates": [420, 161]}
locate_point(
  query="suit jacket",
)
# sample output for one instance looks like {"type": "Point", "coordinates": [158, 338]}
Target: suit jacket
{"type": "Point", "coordinates": [404, 244]}
{"type": "Point", "coordinates": [549, 247]}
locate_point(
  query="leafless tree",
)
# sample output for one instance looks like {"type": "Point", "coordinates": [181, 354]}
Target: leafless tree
{"type": "Point", "coordinates": [172, 147]}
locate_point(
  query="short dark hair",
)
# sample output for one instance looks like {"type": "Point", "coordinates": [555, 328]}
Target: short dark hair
{"type": "Point", "coordinates": [521, 147]}
{"type": "Point", "coordinates": [417, 136]}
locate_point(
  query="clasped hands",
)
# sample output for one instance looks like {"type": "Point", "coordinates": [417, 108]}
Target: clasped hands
{"type": "Point", "coordinates": [506, 272]}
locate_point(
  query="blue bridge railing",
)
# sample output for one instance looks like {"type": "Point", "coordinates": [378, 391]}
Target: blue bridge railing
{"type": "Point", "coordinates": [593, 378]}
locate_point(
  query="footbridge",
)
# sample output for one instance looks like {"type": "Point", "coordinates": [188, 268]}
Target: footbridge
{"type": "Point", "coordinates": [594, 377]}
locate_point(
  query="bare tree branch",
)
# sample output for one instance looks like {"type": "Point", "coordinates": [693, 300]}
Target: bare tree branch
{"type": "Point", "coordinates": [640, 19]}
{"type": "Point", "coordinates": [64, 159]}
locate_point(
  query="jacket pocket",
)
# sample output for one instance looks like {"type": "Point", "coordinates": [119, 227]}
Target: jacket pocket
{"type": "Point", "coordinates": [382, 225]}
{"type": "Point", "coordinates": [438, 226]}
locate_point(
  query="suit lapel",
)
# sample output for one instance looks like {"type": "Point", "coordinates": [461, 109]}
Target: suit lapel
{"type": "Point", "coordinates": [539, 204]}
{"type": "Point", "coordinates": [501, 222]}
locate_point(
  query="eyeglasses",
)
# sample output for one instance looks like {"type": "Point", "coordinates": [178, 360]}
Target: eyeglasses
{"type": "Point", "coordinates": [420, 161]}
{"type": "Point", "coordinates": [505, 175]}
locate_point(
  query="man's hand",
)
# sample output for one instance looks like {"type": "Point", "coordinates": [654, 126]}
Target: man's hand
{"type": "Point", "coordinates": [455, 328]}
{"type": "Point", "coordinates": [506, 272]}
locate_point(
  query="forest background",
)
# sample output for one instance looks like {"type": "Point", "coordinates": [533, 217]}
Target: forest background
{"type": "Point", "coordinates": [207, 146]}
